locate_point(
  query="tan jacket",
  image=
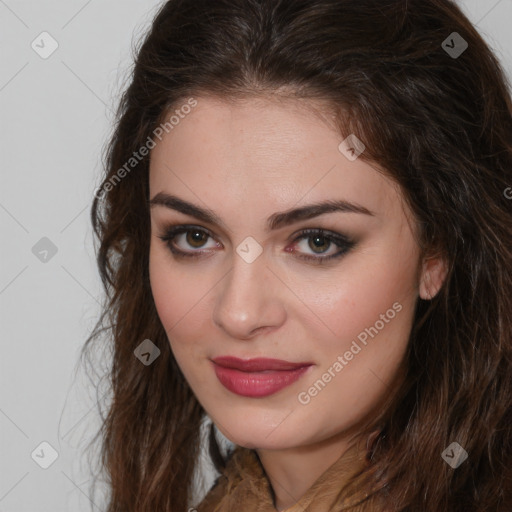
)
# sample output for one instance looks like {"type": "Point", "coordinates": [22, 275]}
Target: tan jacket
{"type": "Point", "coordinates": [244, 487]}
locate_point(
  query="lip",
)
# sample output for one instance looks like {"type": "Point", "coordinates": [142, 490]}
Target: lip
{"type": "Point", "coordinates": [257, 377]}
{"type": "Point", "coordinates": [257, 364]}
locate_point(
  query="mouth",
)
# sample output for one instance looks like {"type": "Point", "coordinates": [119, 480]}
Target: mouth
{"type": "Point", "coordinates": [257, 377]}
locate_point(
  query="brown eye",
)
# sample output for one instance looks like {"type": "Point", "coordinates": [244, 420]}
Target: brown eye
{"type": "Point", "coordinates": [196, 238]}
{"type": "Point", "coordinates": [319, 242]}
{"type": "Point", "coordinates": [186, 241]}
{"type": "Point", "coordinates": [183, 240]}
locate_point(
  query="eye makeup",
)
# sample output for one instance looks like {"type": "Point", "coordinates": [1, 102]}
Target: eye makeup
{"type": "Point", "coordinates": [314, 235]}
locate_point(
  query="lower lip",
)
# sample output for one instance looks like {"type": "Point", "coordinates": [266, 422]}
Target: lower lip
{"type": "Point", "coordinates": [257, 384]}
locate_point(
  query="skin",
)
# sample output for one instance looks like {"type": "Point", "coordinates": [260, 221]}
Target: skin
{"type": "Point", "coordinates": [246, 161]}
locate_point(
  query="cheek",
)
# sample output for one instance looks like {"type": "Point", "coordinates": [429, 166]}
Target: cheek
{"type": "Point", "coordinates": [163, 285]}
{"type": "Point", "coordinates": [180, 300]}
{"type": "Point", "coordinates": [369, 316]}
{"type": "Point", "coordinates": [372, 304]}
{"type": "Point", "coordinates": [165, 281]}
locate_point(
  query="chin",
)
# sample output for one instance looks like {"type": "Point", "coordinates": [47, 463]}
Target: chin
{"type": "Point", "coordinates": [252, 434]}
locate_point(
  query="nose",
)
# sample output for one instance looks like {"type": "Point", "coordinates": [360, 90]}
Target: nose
{"type": "Point", "coordinates": [249, 300]}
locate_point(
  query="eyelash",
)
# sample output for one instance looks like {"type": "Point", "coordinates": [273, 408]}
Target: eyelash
{"type": "Point", "coordinates": [336, 238]}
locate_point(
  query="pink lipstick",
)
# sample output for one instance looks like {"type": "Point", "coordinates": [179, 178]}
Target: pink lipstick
{"type": "Point", "coordinates": [257, 377]}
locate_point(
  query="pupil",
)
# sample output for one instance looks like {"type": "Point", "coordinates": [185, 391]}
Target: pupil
{"type": "Point", "coordinates": [196, 237]}
{"type": "Point", "coordinates": [316, 239]}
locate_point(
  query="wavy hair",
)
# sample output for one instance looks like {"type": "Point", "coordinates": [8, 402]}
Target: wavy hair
{"type": "Point", "coordinates": [440, 124]}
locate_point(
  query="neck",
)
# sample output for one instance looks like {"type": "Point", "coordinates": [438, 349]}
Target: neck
{"type": "Point", "coordinates": [285, 468]}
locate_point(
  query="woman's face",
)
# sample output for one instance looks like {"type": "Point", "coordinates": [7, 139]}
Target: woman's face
{"type": "Point", "coordinates": [246, 289]}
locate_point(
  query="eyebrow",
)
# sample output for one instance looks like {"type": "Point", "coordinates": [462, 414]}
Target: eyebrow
{"type": "Point", "coordinates": [275, 221]}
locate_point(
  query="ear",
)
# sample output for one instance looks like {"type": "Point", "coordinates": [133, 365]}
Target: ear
{"type": "Point", "coordinates": [433, 275]}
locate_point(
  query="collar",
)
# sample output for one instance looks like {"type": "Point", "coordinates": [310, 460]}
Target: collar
{"type": "Point", "coordinates": [245, 485]}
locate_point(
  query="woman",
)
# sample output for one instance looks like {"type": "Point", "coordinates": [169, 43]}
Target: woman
{"type": "Point", "coordinates": [306, 237]}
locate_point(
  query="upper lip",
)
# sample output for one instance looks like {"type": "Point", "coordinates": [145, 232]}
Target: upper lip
{"type": "Point", "coordinates": [257, 364]}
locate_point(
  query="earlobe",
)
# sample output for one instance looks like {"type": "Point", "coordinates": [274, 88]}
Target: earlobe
{"type": "Point", "coordinates": [432, 277]}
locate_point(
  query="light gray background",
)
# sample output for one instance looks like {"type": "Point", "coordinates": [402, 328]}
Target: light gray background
{"type": "Point", "coordinates": [56, 115]}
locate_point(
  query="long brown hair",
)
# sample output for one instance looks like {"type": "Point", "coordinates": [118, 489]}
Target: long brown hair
{"type": "Point", "coordinates": [438, 117]}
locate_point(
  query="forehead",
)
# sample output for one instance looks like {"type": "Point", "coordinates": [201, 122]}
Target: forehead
{"type": "Point", "coordinates": [273, 152]}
